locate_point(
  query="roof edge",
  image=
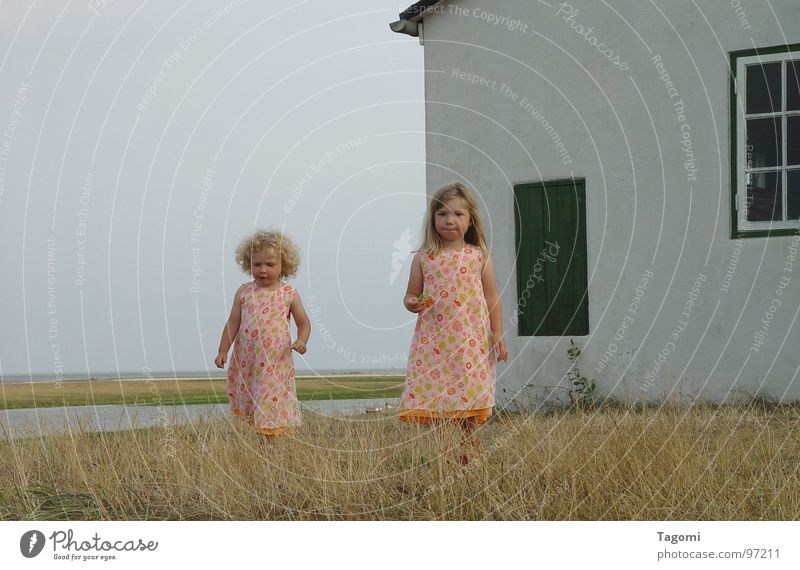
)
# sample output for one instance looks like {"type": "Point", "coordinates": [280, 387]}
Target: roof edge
{"type": "Point", "coordinates": [412, 16]}
{"type": "Point", "coordinates": [417, 11]}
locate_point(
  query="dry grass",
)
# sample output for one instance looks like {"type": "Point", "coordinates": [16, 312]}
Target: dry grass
{"type": "Point", "coordinates": [673, 463]}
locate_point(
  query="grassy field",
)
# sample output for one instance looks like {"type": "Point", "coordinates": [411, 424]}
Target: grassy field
{"type": "Point", "coordinates": [671, 463]}
{"type": "Point", "coordinates": [169, 391]}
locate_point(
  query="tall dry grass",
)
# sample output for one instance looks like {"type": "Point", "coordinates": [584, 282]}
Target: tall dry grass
{"type": "Point", "coordinates": [671, 463]}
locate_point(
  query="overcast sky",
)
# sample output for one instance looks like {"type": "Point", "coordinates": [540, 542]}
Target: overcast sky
{"type": "Point", "coordinates": [139, 141]}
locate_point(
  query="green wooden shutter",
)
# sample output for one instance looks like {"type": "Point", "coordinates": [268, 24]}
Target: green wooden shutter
{"type": "Point", "coordinates": [550, 225]}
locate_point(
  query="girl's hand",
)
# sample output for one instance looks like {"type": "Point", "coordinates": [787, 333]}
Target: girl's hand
{"type": "Point", "coordinates": [221, 359]}
{"type": "Point", "coordinates": [500, 349]}
{"type": "Point", "coordinates": [299, 346]}
{"type": "Point", "coordinates": [413, 304]}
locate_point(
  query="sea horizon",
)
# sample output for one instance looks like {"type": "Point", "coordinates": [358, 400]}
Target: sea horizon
{"type": "Point", "coordinates": [138, 374]}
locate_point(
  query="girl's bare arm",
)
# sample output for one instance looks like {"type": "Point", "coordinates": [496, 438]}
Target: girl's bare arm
{"type": "Point", "coordinates": [303, 323]}
{"type": "Point", "coordinates": [229, 332]}
{"type": "Point", "coordinates": [415, 286]}
{"type": "Point", "coordinates": [495, 307]}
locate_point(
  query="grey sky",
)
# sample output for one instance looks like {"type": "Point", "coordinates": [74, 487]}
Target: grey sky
{"type": "Point", "coordinates": [139, 141]}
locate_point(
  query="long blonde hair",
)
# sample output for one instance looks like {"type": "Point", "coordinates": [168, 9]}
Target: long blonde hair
{"type": "Point", "coordinates": [431, 242]}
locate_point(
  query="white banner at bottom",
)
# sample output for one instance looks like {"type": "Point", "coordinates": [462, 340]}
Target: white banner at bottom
{"type": "Point", "coordinates": [418, 545]}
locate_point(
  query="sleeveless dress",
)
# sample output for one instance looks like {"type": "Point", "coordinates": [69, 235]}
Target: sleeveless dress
{"type": "Point", "coordinates": [451, 365]}
{"type": "Point", "coordinates": [260, 383]}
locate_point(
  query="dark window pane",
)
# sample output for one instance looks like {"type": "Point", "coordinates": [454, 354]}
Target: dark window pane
{"type": "Point", "coordinates": [763, 143]}
{"type": "Point", "coordinates": [793, 85]}
{"type": "Point", "coordinates": [764, 200]}
{"type": "Point", "coordinates": [793, 195]}
{"type": "Point", "coordinates": [793, 140]}
{"type": "Point", "coordinates": [764, 88]}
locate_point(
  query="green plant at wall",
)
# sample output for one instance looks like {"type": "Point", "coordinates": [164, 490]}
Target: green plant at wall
{"type": "Point", "coordinates": [582, 389]}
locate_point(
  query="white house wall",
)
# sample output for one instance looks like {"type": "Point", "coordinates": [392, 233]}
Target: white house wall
{"type": "Point", "coordinates": [646, 213]}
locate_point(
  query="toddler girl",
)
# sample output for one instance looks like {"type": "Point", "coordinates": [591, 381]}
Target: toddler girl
{"type": "Point", "coordinates": [451, 366]}
{"type": "Point", "coordinates": [260, 382]}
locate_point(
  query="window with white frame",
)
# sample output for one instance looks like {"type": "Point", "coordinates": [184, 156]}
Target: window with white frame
{"type": "Point", "coordinates": [767, 153]}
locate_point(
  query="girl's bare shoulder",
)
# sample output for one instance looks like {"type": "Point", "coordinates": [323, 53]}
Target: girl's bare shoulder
{"type": "Point", "coordinates": [289, 289]}
{"type": "Point", "coordinates": [484, 256]}
{"type": "Point", "coordinates": [418, 255]}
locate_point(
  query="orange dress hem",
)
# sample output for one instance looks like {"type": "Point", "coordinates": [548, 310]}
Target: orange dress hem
{"type": "Point", "coordinates": [481, 415]}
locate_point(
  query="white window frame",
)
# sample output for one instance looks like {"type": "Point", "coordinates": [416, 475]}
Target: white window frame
{"type": "Point", "coordinates": [741, 151]}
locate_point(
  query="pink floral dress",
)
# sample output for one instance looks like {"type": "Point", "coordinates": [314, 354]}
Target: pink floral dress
{"type": "Point", "coordinates": [260, 382]}
{"type": "Point", "coordinates": [451, 366]}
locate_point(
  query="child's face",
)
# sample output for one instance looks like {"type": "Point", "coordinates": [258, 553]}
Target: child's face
{"type": "Point", "coordinates": [452, 219]}
{"type": "Point", "coordinates": [265, 267]}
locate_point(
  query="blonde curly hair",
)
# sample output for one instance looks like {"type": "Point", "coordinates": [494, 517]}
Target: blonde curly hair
{"type": "Point", "coordinates": [274, 240]}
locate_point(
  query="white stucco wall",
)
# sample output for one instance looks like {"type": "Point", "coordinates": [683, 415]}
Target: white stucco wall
{"type": "Point", "coordinates": [622, 134]}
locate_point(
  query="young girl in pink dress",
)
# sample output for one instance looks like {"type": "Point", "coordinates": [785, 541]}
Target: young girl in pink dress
{"type": "Point", "coordinates": [451, 366]}
{"type": "Point", "coordinates": [260, 382]}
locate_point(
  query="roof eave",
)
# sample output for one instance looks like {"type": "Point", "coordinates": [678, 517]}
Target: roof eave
{"type": "Point", "coordinates": [408, 27]}
{"type": "Point", "coordinates": [411, 17]}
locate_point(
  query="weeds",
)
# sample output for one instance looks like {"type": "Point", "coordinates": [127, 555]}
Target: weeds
{"type": "Point", "coordinates": [605, 463]}
{"type": "Point", "coordinates": [582, 392]}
